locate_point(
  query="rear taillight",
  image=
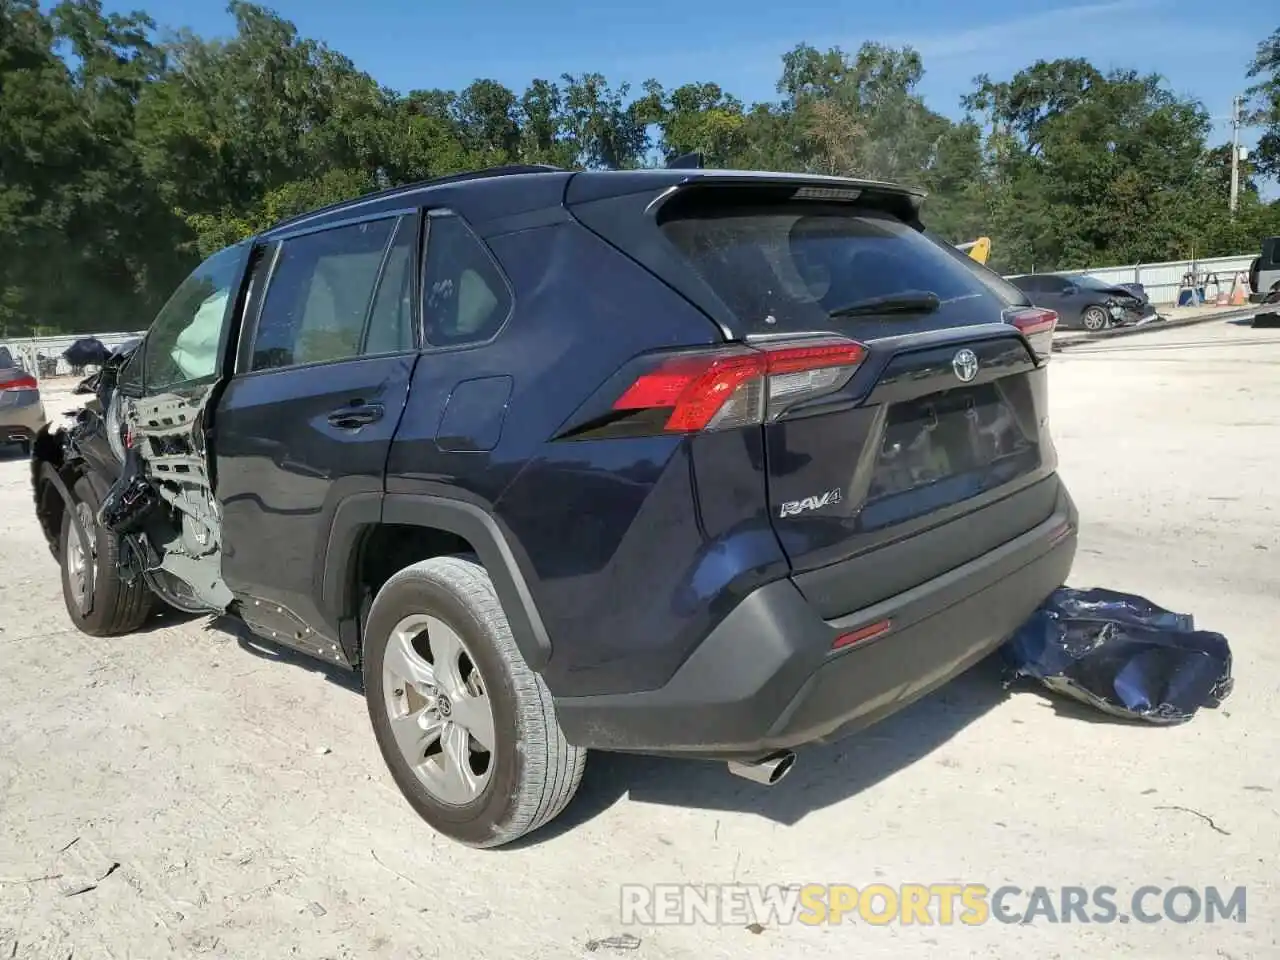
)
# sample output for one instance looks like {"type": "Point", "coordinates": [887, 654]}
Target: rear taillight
{"type": "Point", "coordinates": [1037, 325]}
{"type": "Point", "coordinates": [21, 382]}
{"type": "Point", "coordinates": [720, 390]}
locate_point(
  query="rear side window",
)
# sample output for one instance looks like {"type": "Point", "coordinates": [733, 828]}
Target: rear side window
{"type": "Point", "coordinates": [465, 298]}
{"type": "Point", "coordinates": [391, 319]}
{"type": "Point", "coordinates": [320, 292]}
{"type": "Point", "coordinates": [785, 267]}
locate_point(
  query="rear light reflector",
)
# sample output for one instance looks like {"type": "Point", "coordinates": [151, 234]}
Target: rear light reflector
{"type": "Point", "coordinates": [1037, 325]}
{"type": "Point", "coordinates": [862, 633]}
{"type": "Point", "coordinates": [739, 387]}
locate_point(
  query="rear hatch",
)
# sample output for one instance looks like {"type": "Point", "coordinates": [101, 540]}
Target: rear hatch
{"type": "Point", "coordinates": [926, 446]}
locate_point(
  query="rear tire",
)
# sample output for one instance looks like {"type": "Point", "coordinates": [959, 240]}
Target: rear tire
{"type": "Point", "coordinates": [117, 607]}
{"type": "Point", "coordinates": [438, 657]}
{"type": "Point", "coordinates": [1095, 318]}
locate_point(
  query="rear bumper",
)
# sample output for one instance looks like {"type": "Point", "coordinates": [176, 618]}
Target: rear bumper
{"type": "Point", "coordinates": [766, 678]}
{"type": "Point", "coordinates": [19, 432]}
{"type": "Point", "coordinates": [21, 424]}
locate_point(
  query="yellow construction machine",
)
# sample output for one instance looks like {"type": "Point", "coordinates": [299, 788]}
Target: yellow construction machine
{"type": "Point", "coordinates": [978, 249]}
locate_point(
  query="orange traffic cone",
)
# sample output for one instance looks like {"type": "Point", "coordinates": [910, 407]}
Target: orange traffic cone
{"type": "Point", "coordinates": [1238, 297]}
{"type": "Point", "coordinates": [1224, 295]}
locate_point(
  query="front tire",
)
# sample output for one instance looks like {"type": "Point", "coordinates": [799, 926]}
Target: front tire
{"type": "Point", "coordinates": [467, 730]}
{"type": "Point", "coordinates": [115, 607]}
{"type": "Point", "coordinates": [1095, 318]}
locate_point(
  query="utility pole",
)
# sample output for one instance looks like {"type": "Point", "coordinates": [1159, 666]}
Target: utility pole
{"type": "Point", "coordinates": [1236, 103]}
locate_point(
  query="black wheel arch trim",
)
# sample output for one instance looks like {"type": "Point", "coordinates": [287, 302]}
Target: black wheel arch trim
{"type": "Point", "coordinates": [356, 514]}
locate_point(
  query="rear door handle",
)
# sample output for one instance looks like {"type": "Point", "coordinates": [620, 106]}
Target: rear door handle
{"type": "Point", "coordinates": [355, 417]}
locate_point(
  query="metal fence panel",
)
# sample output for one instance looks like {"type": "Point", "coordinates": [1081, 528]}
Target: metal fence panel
{"type": "Point", "coordinates": [31, 350]}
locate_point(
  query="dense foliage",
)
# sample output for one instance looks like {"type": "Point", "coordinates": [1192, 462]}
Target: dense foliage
{"type": "Point", "coordinates": [123, 158]}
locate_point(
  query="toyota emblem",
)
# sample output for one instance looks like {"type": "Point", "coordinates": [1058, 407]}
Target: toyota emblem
{"type": "Point", "coordinates": [965, 364]}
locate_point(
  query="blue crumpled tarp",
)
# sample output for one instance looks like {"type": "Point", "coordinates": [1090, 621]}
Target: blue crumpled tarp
{"type": "Point", "coordinates": [1122, 654]}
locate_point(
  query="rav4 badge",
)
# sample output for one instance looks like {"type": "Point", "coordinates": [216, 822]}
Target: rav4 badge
{"type": "Point", "coordinates": [792, 507]}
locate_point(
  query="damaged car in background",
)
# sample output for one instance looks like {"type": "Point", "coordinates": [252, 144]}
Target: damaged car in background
{"type": "Point", "coordinates": [1087, 303]}
{"type": "Point", "coordinates": [21, 410]}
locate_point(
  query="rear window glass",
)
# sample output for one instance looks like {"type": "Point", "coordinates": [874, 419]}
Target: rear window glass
{"type": "Point", "coordinates": [786, 267]}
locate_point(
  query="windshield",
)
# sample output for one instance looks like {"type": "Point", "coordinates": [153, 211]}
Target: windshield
{"type": "Point", "coordinates": [787, 267]}
{"type": "Point", "coordinates": [181, 347]}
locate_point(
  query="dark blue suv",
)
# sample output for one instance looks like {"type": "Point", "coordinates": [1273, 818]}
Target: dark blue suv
{"type": "Point", "coordinates": [681, 462]}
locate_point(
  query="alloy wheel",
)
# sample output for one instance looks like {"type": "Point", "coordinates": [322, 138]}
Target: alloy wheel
{"type": "Point", "coordinates": [77, 562]}
{"type": "Point", "coordinates": [439, 710]}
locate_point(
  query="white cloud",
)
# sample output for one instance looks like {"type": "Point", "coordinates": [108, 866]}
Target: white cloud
{"type": "Point", "coordinates": [1002, 35]}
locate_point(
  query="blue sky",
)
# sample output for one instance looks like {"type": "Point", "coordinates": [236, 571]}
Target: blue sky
{"type": "Point", "coordinates": [409, 44]}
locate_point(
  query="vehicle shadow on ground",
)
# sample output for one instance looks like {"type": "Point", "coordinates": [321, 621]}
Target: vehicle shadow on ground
{"type": "Point", "coordinates": [255, 645]}
{"type": "Point", "coordinates": [822, 776]}
{"type": "Point", "coordinates": [167, 617]}
{"type": "Point", "coordinates": [9, 452]}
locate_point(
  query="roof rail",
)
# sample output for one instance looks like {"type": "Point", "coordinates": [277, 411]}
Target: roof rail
{"type": "Point", "coordinates": [503, 171]}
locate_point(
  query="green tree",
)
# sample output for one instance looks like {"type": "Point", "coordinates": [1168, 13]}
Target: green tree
{"type": "Point", "coordinates": [486, 113]}
{"type": "Point", "coordinates": [606, 130]}
{"type": "Point", "coordinates": [85, 241]}
{"type": "Point", "coordinates": [1088, 167]}
{"type": "Point", "coordinates": [696, 118]}
{"type": "Point", "coordinates": [229, 122]}
{"type": "Point", "coordinates": [122, 158]}
{"type": "Point", "coordinates": [1264, 104]}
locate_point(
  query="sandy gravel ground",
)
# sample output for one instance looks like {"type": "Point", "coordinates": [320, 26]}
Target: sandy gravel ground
{"type": "Point", "coordinates": [186, 792]}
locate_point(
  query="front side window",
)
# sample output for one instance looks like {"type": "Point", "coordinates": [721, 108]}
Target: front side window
{"type": "Point", "coordinates": [319, 296]}
{"type": "Point", "coordinates": [182, 345]}
{"type": "Point", "coordinates": [1047, 283]}
{"type": "Point", "coordinates": [1090, 283]}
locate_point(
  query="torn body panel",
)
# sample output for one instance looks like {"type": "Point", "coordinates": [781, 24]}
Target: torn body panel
{"type": "Point", "coordinates": [164, 504]}
{"type": "Point", "coordinates": [146, 457]}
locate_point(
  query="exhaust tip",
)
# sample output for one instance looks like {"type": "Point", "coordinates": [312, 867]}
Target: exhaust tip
{"type": "Point", "coordinates": [768, 770]}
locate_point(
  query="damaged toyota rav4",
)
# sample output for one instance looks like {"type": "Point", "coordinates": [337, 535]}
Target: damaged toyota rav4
{"type": "Point", "coordinates": [689, 463]}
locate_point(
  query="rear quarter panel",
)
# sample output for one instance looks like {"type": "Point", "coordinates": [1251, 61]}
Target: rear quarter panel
{"type": "Point", "coordinates": [607, 533]}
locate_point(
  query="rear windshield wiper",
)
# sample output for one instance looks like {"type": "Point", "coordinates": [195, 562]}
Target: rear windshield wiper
{"type": "Point", "coordinates": [909, 301]}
